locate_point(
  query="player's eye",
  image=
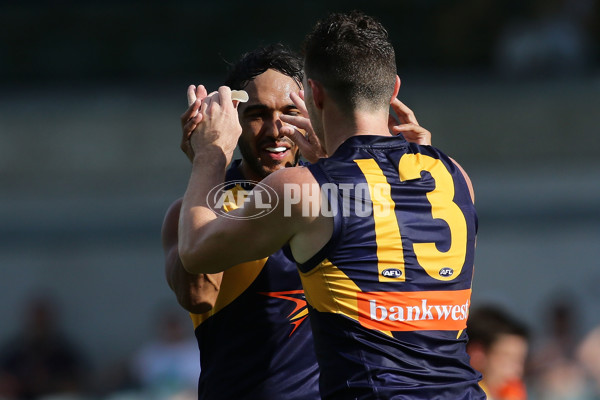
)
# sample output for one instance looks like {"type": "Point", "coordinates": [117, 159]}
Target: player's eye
{"type": "Point", "coordinates": [254, 116]}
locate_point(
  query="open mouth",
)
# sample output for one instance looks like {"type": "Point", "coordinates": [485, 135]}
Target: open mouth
{"type": "Point", "coordinates": [276, 152]}
{"type": "Point", "coordinates": [279, 149]}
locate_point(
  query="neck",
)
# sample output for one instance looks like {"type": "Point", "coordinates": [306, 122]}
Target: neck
{"type": "Point", "coordinates": [247, 171]}
{"type": "Point", "coordinates": [339, 126]}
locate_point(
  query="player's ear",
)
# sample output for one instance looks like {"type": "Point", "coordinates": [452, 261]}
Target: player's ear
{"type": "Point", "coordinates": [317, 93]}
{"type": "Point", "coordinates": [396, 88]}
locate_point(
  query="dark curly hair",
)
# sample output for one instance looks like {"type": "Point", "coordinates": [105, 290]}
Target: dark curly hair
{"type": "Point", "coordinates": [352, 56]}
{"type": "Point", "coordinates": [275, 56]}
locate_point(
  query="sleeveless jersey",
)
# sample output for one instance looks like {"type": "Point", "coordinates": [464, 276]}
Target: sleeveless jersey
{"type": "Point", "coordinates": [256, 342]}
{"type": "Point", "coordinates": [389, 294]}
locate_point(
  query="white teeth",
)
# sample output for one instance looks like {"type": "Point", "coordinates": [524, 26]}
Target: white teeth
{"type": "Point", "coordinates": [276, 149]}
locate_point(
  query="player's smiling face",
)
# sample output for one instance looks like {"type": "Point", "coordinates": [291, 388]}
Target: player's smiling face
{"type": "Point", "coordinates": [264, 149]}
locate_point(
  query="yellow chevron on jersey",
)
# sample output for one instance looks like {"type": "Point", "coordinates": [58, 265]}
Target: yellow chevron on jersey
{"type": "Point", "coordinates": [328, 289]}
{"type": "Point", "coordinates": [234, 197]}
{"type": "Point", "coordinates": [239, 277]}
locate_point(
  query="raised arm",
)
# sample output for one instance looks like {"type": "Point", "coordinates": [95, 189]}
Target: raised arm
{"type": "Point", "coordinates": [195, 293]}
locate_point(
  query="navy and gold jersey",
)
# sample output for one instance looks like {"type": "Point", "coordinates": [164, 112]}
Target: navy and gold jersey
{"type": "Point", "coordinates": [389, 294]}
{"type": "Point", "coordinates": [256, 342]}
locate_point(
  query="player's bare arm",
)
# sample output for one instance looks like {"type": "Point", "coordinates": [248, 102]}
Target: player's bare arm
{"type": "Point", "coordinates": [197, 293]}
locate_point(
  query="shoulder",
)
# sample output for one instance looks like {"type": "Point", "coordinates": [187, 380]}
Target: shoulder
{"type": "Point", "coordinates": [175, 207]}
{"type": "Point", "coordinates": [467, 179]}
{"type": "Point", "coordinates": [294, 175]}
{"type": "Point", "coordinates": [295, 188]}
{"type": "Point", "coordinates": [172, 212]}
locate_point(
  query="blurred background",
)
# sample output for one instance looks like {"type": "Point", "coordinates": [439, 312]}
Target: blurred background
{"type": "Point", "coordinates": [90, 98]}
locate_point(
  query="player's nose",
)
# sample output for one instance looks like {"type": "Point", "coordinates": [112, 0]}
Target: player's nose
{"type": "Point", "coordinates": [274, 127]}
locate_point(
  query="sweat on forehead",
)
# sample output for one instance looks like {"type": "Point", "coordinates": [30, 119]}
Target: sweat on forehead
{"type": "Point", "coordinates": [271, 85]}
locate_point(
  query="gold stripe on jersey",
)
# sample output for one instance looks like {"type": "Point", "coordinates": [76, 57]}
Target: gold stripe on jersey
{"type": "Point", "coordinates": [328, 289]}
{"type": "Point", "coordinates": [236, 195]}
{"type": "Point", "coordinates": [237, 278]}
{"type": "Point", "coordinates": [235, 281]}
{"type": "Point", "coordinates": [387, 230]}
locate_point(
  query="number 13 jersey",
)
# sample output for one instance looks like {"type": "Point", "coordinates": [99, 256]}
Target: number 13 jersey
{"type": "Point", "coordinates": [389, 294]}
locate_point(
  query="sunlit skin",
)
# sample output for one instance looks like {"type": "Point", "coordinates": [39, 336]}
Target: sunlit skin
{"type": "Point", "coordinates": [263, 147]}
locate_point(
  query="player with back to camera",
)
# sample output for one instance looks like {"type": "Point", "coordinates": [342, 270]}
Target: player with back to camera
{"type": "Point", "coordinates": [250, 321]}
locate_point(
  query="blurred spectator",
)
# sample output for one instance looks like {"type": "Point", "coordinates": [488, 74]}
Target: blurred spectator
{"type": "Point", "coordinates": [588, 354]}
{"type": "Point", "coordinates": [553, 39]}
{"type": "Point", "coordinates": [498, 346]}
{"type": "Point", "coordinates": [169, 365]}
{"type": "Point", "coordinates": [555, 372]}
{"type": "Point", "coordinates": [41, 360]}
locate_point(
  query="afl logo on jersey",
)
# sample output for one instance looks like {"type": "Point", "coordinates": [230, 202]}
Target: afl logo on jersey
{"type": "Point", "coordinates": [446, 271]}
{"type": "Point", "coordinates": [391, 273]}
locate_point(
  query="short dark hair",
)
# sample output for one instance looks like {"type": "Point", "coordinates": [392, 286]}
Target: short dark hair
{"type": "Point", "coordinates": [275, 56]}
{"type": "Point", "coordinates": [487, 322]}
{"type": "Point", "coordinates": [352, 57]}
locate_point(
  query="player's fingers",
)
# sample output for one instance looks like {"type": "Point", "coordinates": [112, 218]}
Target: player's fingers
{"type": "Point", "coordinates": [205, 107]}
{"type": "Point", "coordinates": [408, 127]}
{"type": "Point", "coordinates": [224, 99]}
{"type": "Point", "coordinates": [311, 135]}
{"type": "Point", "coordinates": [189, 127]}
{"type": "Point", "coordinates": [296, 121]}
{"type": "Point", "coordinates": [297, 137]}
{"type": "Point", "coordinates": [299, 102]}
{"type": "Point", "coordinates": [191, 94]}
{"type": "Point", "coordinates": [191, 112]}
{"type": "Point", "coordinates": [308, 144]}
{"type": "Point", "coordinates": [414, 133]}
{"type": "Point", "coordinates": [201, 92]}
{"type": "Point", "coordinates": [405, 114]}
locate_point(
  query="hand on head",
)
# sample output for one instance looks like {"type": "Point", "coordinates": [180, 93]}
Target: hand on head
{"type": "Point", "coordinates": [407, 124]}
{"type": "Point", "coordinates": [218, 124]}
{"type": "Point", "coordinates": [299, 129]}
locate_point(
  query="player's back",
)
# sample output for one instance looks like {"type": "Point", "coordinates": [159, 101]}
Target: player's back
{"type": "Point", "coordinates": [390, 292]}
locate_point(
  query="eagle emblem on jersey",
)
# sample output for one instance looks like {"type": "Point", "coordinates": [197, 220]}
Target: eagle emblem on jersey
{"type": "Point", "coordinates": [300, 311]}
